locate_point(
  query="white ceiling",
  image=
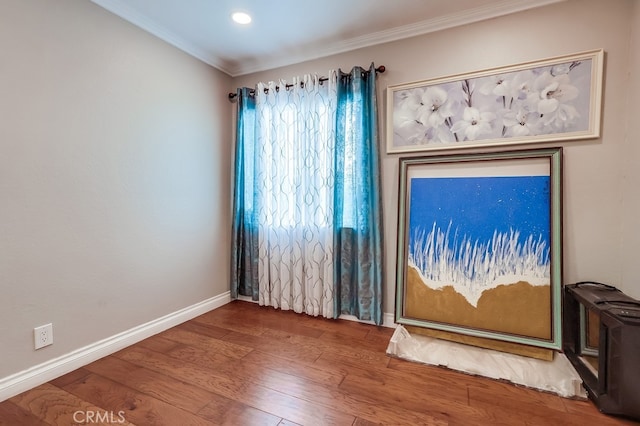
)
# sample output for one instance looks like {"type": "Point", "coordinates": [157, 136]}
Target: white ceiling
{"type": "Point", "coordinates": [284, 32]}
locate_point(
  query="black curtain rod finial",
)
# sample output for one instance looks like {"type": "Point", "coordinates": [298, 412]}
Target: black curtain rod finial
{"type": "Point", "coordinates": [379, 70]}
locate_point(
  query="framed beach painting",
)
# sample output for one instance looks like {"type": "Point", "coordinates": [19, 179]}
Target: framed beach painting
{"type": "Point", "coordinates": [479, 245]}
{"type": "Point", "coordinates": [553, 99]}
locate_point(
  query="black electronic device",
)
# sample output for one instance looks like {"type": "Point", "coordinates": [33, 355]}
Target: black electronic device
{"type": "Point", "coordinates": [601, 338]}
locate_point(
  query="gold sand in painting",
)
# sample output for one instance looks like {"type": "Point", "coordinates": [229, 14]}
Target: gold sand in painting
{"type": "Point", "coordinates": [519, 308]}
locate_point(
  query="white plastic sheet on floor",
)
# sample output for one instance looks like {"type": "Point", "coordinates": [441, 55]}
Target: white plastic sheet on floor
{"type": "Point", "coordinates": [557, 376]}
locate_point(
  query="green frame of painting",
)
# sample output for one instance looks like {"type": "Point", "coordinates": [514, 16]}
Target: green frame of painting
{"type": "Point", "coordinates": [418, 305]}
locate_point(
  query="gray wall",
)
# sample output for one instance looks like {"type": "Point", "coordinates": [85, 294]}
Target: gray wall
{"type": "Point", "coordinates": [630, 163]}
{"type": "Point", "coordinates": [601, 177]}
{"type": "Point", "coordinates": [115, 155]}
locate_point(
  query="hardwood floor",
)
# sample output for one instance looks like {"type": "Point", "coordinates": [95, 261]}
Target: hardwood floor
{"type": "Point", "coordinates": [248, 365]}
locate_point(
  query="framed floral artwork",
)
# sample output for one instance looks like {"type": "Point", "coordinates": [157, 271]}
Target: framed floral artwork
{"type": "Point", "coordinates": [480, 245]}
{"type": "Point", "coordinates": [554, 99]}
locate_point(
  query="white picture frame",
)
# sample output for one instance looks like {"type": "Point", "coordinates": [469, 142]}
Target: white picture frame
{"type": "Point", "coordinates": [550, 100]}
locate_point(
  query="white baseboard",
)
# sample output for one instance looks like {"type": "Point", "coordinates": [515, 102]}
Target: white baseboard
{"type": "Point", "coordinates": [388, 319]}
{"type": "Point", "coordinates": [35, 376]}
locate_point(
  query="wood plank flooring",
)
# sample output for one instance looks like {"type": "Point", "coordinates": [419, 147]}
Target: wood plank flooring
{"type": "Point", "coordinates": [243, 364]}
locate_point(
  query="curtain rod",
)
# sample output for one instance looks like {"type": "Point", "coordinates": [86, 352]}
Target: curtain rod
{"type": "Point", "coordinates": [232, 96]}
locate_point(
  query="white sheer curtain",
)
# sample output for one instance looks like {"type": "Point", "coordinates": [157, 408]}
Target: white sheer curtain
{"type": "Point", "coordinates": [295, 133]}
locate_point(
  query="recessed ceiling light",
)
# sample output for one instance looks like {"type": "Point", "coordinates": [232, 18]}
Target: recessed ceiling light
{"type": "Point", "coordinates": [241, 18]}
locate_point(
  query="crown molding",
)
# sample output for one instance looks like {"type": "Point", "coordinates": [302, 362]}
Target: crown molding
{"type": "Point", "coordinates": [419, 28]}
{"type": "Point", "coordinates": [121, 9]}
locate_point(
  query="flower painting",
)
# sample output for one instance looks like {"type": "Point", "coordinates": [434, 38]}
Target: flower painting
{"type": "Point", "coordinates": [476, 247]}
{"type": "Point", "coordinates": [555, 99]}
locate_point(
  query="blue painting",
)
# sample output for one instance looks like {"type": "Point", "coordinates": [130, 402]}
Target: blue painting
{"type": "Point", "coordinates": [476, 233]}
{"type": "Point", "coordinates": [480, 248]}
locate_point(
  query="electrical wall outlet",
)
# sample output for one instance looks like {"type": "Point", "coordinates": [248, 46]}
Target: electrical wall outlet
{"type": "Point", "coordinates": [43, 336]}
